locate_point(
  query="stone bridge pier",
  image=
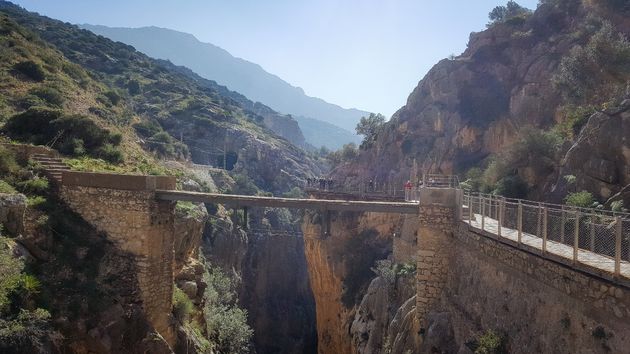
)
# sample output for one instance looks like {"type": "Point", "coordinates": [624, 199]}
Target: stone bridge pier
{"type": "Point", "coordinates": [438, 217]}
{"type": "Point", "coordinates": [125, 208]}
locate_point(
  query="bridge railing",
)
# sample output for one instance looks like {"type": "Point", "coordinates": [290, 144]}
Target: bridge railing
{"type": "Point", "coordinates": [440, 181]}
{"type": "Point", "coordinates": [597, 238]}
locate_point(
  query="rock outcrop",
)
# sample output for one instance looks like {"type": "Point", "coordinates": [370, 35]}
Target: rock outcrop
{"type": "Point", "coordinates": [12, 208]}
{"type": "Point", "coordinates": [475, 105]}
{"type": "Point", "coordinates": [339, 267]}
{"type": "Point", "coordinates": [600, 157]}
{"type": "Point", "coordinates": [269, 263]}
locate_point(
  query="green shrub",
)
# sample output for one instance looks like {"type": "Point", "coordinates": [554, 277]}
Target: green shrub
{"type": "Point", "coordinates": [617, 206]}
{"type": "Point", "coordinates": [164, 145]}
{"type": "Point", "coordinates": [227, 327]}
{"type": "Point", "coordinates": [28, 332]}
{"type": "Point", "coordinates": [189, 209]}
{"type": "Point", "coordinates": [36, 185]}
{"type": "Point", "coordinates": [110, 153]}
{"type": "Point", "coordinates": [50, 95]}
{"type": "Point", "coordinates": [36, 202]}
{"type": "Point", "coordinates": [8, 163]}
{"type": "Point", "coordinates": [404, 269]}
{"type": "Point", "coordinates": [473, 181]}
{"type": "Point", "coordinates": [574, 118]}
{"type": "Point", "coordinates": [385, 269]}
{"type": "Point", "coordinates": [147, 128]}
{"type": "Point", "coordinates": [31, 70]}
{"type": "Point", "coordinates": [535, 149]}
{"type": "Point", "coordinates": [581, 199]}
{"type": "Point", "coordinates": [133, 86]}
{"type": "Point", "coordinates": [370, 127]}
{"type": "Point", "coordinates": [74, 146]}
{"type": "Point", "coordinates": [74, 71]}
{"type": "Point", "coordinates": [226, 323]}
{"type": "Point", "coordinates": [295, 192]}
{"type": "Point", "coordinates": [491, 343]}
{"type": "Point", "coordinates": [30, 286]}
{"type": "Point", "coordinates": [512, 187]}
{"type": "Point", "coordinates": [69, 134]}
{"type": "Point", "coordinates": [244, 185]}
{"type": "Point", "coordinates": [570, 179]}
{"type": "Point", "coordinates": [11, 269]}
{"type": "Point", "coordinates": [511, 13]}
{"type": "Point", "coordinates": [347, 153]}
{"type": "Point", "coordinates": [113, 97]}
{"type": "Point", "coordinates": [598, 71]}
{"type": "Point", "coordinates": [6, 188]}
{"type": "Point", "coordinates": [182, 306]}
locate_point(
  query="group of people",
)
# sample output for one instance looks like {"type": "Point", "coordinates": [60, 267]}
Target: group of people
{"type": "Point", "coordinates": [410, 191]}
{"type": "Point", "coordinates": [320, 183]}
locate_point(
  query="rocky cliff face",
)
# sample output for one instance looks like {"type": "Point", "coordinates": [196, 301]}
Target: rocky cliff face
{"type": "Point", "coordinates": [339, 267]}
{"type": "Point", "coordinates": [269, 262]}
{"type": "Point", "coordinates": [600, 158]}
{"type": "Point", "coordinates": [474, 105]}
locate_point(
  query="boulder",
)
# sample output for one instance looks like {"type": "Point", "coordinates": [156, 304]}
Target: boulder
{"type": "Point", "coordinates": [12, 208]}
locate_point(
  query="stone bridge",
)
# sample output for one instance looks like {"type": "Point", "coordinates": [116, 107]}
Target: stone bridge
{"type": "Point", "coordinates": [137, 214]}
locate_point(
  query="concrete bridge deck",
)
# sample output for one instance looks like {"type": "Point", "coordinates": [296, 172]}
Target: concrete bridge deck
{"type": "Point", "coordinates": [239, 201]}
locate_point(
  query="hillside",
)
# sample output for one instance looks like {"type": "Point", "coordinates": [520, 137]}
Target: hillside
{"type": "Point", "coordinates": [206, 118]}
{"type": "Point", "coordinates": [515, 107]}
{"type": "Point", "coordinates": [214, 63]}
{"type": "Point", "coordinates": [106, 107]}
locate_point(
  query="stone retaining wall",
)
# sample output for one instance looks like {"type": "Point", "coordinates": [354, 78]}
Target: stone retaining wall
{"type": "Point", "coordinates": [540, 305]}
{"type": "Point", "coordinates": [438, 212]}
{"type": "Point", "coordinates": [126, 210]}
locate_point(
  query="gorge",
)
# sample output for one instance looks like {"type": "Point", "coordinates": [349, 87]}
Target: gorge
{"type": "Point", "coordinates": [148, 209]}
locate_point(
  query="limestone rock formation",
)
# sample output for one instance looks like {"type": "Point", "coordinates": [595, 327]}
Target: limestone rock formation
{"type": "Point", "coordinates": [600, 157]}
{"type": "Point", "coordinates": [474, 105]}
{"type": "Point", "coordinates": [272, 277]}
{"type": "Point", "coordinates": [339, 270]}
{"type": "Point", "coordinates": [12, 208]}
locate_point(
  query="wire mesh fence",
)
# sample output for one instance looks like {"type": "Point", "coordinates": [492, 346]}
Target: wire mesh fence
{"type": "Point", "coordinates": [625, 242]}
{"type": "Point", "coordinates": [594, 237]}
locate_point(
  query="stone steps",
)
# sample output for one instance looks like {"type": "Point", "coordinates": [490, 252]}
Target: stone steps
{"type": "Point", "coordinates": [53, 167]}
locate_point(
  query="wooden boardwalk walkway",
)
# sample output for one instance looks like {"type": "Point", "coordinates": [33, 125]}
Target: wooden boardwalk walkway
{"type": "Point", "coordinates": [564, 252]}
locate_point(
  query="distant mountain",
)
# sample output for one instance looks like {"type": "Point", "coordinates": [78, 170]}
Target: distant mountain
{"type": "Point", "coordinates": [249, 79]}
{"type": "Point", "coordinates": [319, 133]}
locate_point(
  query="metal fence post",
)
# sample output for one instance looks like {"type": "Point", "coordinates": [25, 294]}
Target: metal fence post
{"type": "Point", "coordinates": [519, 222]}
{"type": "Point", "coordinates": [483, 212]}
{"type": "Point", "coordinates": [618, 231]}
{"type": "Point", "coordinates": [499, 217]}
{"type": "Point", "coordinates": [576, 237]}
{"type": "Point", "coordinates": [539, 219]}
{"type": "Point", "coordinates": [592, 240]}
{"type": "Point", "coordinates": [469, 209]}
{"type": "Point", "coordinates": [562, 220]}
{"type": "Point", "coordinates": [544, 233]}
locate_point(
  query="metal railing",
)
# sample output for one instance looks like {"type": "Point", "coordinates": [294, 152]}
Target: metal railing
{"type": "Point", "coordinates": [440, 181]}
{"type": "Point", "coordinates": [597, 238]}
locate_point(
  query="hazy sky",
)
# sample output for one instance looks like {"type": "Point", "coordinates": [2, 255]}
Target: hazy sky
{"type": "Point", "coordinates": [367, 54]}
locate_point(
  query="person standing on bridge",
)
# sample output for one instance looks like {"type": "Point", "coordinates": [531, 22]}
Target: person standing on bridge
{"type": "Point", "coordinates": [408, 187]}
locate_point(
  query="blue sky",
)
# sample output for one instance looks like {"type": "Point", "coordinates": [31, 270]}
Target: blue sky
{"type": "Point", "coordinates": [367, 54]}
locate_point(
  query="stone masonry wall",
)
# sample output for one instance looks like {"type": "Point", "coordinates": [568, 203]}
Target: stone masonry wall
{"type": "Point", "coordinates": [435, 247]}
{"type": "Point", "coordinates": [539, 305]}
{"type": "Point", "coordinates": [139, 224]}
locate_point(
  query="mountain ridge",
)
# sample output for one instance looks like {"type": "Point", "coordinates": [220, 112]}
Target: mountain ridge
{"type": "Point", "coordinates": [250, 79]}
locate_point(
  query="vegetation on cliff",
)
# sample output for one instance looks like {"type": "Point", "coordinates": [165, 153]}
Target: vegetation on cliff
{"type": "Point", "coordinates": [107, 107]}
{"type": "Point", "coordinates": [511, 112]}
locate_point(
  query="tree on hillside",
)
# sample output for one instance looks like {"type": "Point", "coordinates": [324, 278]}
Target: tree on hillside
{"type": "Point", "coordinates": [503, 13]}
{"type": "Point", "coordinates": [369, 127]}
